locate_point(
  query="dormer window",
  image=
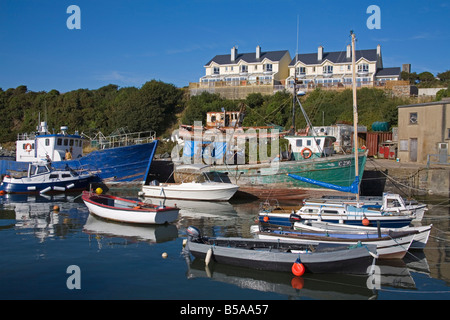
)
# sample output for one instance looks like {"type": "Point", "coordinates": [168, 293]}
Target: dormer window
{"type": "Point", "coordinates": [327, 69]}
{"type": "Point", "coordinates": [268, 67]}
{"type": "Point", "coordinates": [244, 68]}
{"type": "Point", "coordinates": [301, 70]}
{"type": "Point", "coordinates": [216, 70]}
{"type": "Point", "coordinates": [363, 68]}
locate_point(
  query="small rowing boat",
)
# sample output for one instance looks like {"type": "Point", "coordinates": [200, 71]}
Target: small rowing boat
{"type": "Point", "coordinates": [127, 210]}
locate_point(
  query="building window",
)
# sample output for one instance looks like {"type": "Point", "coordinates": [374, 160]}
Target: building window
{"type": "Point", "coordinates": [448, 133]}
{"type": "Point", "coordinates": [216, 70]}
{"type": "Point", "coordinates": [244, 68]}
{"type": "Point", "coordinates": [413, 118]}
{"type": "Point", "coordinates": [403, 145]}
{"type": "Point", "coordinates": [363, 67]}
{"type": "Point", "coordinates": [268, 67]}
{"type": "Point", "coordinates": [327, 69]}
{"type": "Point", "coordinates": [301, 70]}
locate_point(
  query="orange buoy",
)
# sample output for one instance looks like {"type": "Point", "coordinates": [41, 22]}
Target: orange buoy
{"type": "Point", "coordinates": [266, 219]}
{"type": "Point", "coordinates": [365, 222]}
{"type": "Point", "coordinates": [298, 269]}
{"type": "Point", "coordinates": [55, 208]}
{"type": "Point", "coordinates": [297, 283]}
{"type": "Point", "coordinates": [2, 192]}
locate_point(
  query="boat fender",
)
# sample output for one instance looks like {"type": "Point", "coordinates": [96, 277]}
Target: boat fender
{"type": "Point", "coordinates": [59, 188]}
{"type": "Point", "coordinates": [45, 190]}
{"type": "Point", "coordinates": [70, 186]}
{"type": "Point", "coordinates": [208, 256]}
{"type": "Point", "coordinates": [298, 269]}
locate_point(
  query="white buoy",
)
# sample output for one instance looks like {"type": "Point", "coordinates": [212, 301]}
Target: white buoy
{"type": "Point", "coordinates": [184, 242]}
{"type": "Point", "coordinates": [208, 256]}
{"type": "Point", "coordinates": [164, 255]}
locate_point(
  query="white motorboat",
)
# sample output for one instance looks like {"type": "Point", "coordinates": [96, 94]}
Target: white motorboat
{"type": "Point", "coordinates": [201, 189]}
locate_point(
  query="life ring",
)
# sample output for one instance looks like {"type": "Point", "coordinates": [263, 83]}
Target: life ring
{"type": "Point", "coordinates": [28, 147]}
{"type": "Point", "coordinates": [309, 153]}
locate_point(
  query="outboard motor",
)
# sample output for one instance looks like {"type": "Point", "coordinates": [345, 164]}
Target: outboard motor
{"type": "Point", "coordinates": [193, 233]}
{"type": "Point", "coordinates": [294, 218]}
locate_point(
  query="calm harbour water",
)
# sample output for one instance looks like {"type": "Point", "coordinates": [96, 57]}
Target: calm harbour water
{"type": "Point", "coordinates": [119, 261]}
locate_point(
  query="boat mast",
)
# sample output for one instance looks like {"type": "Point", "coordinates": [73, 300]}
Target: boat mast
{"type": "Point", "coordinates": [355, 113]}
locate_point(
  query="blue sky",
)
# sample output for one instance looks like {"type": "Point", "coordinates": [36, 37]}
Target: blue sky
{"type": "Point", "coordinates": [130, 42]}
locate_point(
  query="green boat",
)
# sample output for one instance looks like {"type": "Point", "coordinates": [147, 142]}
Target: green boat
{"type": "Point", "coordinates": [271, 180]}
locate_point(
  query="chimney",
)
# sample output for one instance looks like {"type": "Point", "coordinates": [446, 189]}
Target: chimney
{"type": "Point", "coordinates": [378, 51]}
{"type": "Point", "coordinates": [258, 52]}
{"type": "Point", "coordinates": [320, 53]}
{"type": "Point", "coordinates": [233, 53]}
{"type": "Point", "coordinates": [349, 51]}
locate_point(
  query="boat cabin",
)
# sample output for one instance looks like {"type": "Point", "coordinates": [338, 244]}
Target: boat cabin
{"type": "Point", "coordinates": [36, 146]}
{"type": "Point", "coordinates": [306, 147]}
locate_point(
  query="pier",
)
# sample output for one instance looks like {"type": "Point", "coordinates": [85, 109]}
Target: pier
{"type": "Point", "coordinates": [406, 178]}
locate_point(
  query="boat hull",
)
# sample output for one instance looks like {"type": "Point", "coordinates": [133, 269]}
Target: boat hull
{"type": "Point", "coordinates": [283, 219]}
{"type": "Point", "coordinates": [388, 247]}
{"type": "Point", "coordinates": [192, 191]}
{"type": "Point", "coordinates": [332, 229]}
{"type": "Point", "coordinates": [355, 261]}
{"type": "Point", "coordinates": [51, 187]}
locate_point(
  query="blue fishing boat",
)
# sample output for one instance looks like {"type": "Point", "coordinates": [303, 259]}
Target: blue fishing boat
{"type": "Point", "coordinates": [120, 158]}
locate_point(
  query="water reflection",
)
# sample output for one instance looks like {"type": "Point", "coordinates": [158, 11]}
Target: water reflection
{"type": "Point", "coordinates": [37, 214]}
{"type": "Point", "coordinates": [313, 286]}
{"type": "Point", "coordinates": [34, 215]}
{"type": "Point", "coordinates": [99, 229]}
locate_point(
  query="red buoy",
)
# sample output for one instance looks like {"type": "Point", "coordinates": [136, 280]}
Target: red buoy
{"type": "Point", "coordinates": [266, 219]}
{"type": "Point", "coordinates": [365, 222]}
{"type": "Point", "coordinates": [298, 269]}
